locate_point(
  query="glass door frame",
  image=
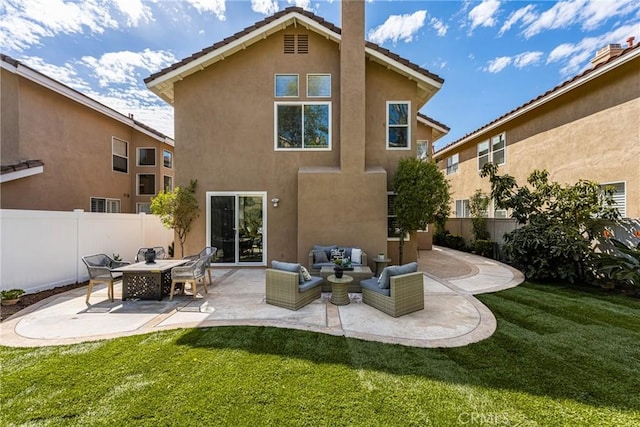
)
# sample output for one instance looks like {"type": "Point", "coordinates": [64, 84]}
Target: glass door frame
{"type": "Point", "coordinates": [237, 195]}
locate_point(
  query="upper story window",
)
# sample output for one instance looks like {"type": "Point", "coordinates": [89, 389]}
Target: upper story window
{"type": "Point", "coordinates": [167, 184]}
{"type": "Point", "coordinates": [167, 159]}
{"type": "Point", "coordinates": [398, 131]}
{"type": "Point", "coordinates": [492, 150]}
{"type": "Point", "coordinates": [101, 204]}
{"type": "Point", "coordinates": [319, 85]}
{"type": "Point", "coordinates": [146, 184]}
{"type": "Point", "coordinates": [120, 155]}
{"type": "Point", "coordinates": [452, 164]}
{"type": "Point", "coordinates": [462, 208]}
{"type": "Point", "coordinates": [303, 125]}
{"type": "Point", "coordinates": [422, 150]}
{"type": "Point", "coordinates": [618, 195]}
{"type": "Point", "coordinates": [286, 85]}
{"type": "Point", "coordinates": [146, 156]}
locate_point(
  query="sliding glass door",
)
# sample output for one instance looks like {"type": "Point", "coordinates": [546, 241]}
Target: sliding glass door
{"type": "Point", "coordinates": [236, 226]}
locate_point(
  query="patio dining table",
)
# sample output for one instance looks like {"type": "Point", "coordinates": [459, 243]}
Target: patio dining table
{"type": "Point", "coordinates": [148, 281]}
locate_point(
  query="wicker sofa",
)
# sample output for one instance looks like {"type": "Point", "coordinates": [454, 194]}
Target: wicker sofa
{"type": "Point", "coordinates": [315, 264]}
{"type": "Point", "coordinates": [398, 291]}
{"type": "Point", "coordinates": [286, 287]}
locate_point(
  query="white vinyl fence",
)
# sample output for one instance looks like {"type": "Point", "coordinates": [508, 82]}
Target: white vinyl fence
{"type": "Point", "coordinates": [43, 249]}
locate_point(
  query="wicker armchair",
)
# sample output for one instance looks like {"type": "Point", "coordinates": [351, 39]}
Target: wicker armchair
{"type": "Point", "coordinates": [208, 252]}
{"type": "Point", "coordinates": [405, 294]}
{"type": "Point", "coordinates": [283, 288]}
{"type": "Point", "coordinates": [160, 253]}
{"type": "Point", "coordinates": [190, 273]}
{"type": "Point", "coordinates": [99, 267]}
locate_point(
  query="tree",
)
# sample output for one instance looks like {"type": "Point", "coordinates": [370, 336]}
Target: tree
{"type": "Point", "coordinates": [177, 209]}
{"type": "Point", "coordinates": [422, 196]}
{"type": "Point", "coordinates": [478, 204]}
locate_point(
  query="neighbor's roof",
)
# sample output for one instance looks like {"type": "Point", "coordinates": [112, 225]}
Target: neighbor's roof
{"type": "Point", "coordinates": [623, 57]}
{"type": "Point", "coordinates": [20, 170]}
{"type": "Point", "coordinates": [439, 129]}
{"type": "Point", "coordinates": [19, 68]}
{"type": "Point", "coordinates": [161, 83]}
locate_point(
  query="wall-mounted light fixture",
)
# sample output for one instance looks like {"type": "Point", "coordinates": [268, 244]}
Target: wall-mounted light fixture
{"type": "Point", "coordinates": [275, 202]}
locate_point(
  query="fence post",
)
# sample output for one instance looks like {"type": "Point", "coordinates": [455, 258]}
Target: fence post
{"type": "Point", "coordinates": [78, 213]}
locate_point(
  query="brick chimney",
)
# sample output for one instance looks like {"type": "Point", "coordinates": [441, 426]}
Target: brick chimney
{"type": "Point", "coordinates": [606, 53]}
{"type": "Point", "coordinates": [352, 87]}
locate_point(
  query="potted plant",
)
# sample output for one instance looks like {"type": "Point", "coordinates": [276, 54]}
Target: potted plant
{"type": "Point", "coordinates": [10, 297]}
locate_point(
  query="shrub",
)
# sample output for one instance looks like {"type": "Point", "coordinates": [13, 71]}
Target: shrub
{"type": "Point", "coordinates": [620, 265]}
{"type": "Point", "coordinates": [485, 248]}
{"type": "Point", "coordinates": [448, 240]}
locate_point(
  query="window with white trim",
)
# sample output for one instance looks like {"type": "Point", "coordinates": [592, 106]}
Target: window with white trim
{"type": "Point", "coordinates": [120, 155]}
{"type": "Point", "coordinates": [422, 150]}
{"type": "Point", "coordinates": [492, 150]}
{"type": "Point", "coordinates": [452, 164]}
{"type": "Point", "coordinates": [398, 129]}
{"type": "Point", "coordinates": [497, 212]}
{"type": "Point", "coordinates": [146, 184]}
{"type": "Point", "coordinates": [302, 125]}
{"type": "Point", "coordinates": [319, 85]}
{"type": "Point", "coordinates": [462, 208]}
{"type": "Point", "coordinates": [619, 196]}
{"type": "Point", "coordinates": [146, 156]}
{"type": "Point", "coordinates": [393, 231]}
{"type": "Point", "coordinates": [167, 183]}
{"type": "Point", "coordinates": [286, 86]}
{"type": "Point", "coordinates": [167, 159]}
{"type": "Point", "coordinates": [105, 205]}
{"type": "Point", "coordinates": [143, 207]}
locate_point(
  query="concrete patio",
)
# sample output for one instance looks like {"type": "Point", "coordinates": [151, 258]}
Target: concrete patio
{"type": "Point", "coordinates": [452, 316]}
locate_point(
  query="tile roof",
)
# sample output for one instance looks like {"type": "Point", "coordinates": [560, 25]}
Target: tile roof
{"type": "Point", "coordinates": [20, 166]}
{"type": "Point", "coordinates": [257, 26]}
{"type": "Point", "coordinates": [547, 94]}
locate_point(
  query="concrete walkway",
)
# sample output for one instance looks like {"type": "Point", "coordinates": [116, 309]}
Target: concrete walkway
{"type": "Point", "coordinates": [452, 316]}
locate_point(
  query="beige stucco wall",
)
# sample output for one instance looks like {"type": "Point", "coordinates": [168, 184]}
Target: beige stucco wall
{"type": "Point", "coordinates": [591, 133]}
{"type": "Point", "coordinates": [224, 121]}
{"type": "Point", "coordinates": [74, 142]}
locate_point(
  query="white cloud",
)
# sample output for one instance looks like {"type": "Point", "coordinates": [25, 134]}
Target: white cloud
{"type": "Point", "coordinates": [483, 15]}
{"type": "Point", "coordinates": [527, 58]}
{"type": "Point", "coordinates": [120, 67]}
{"type": "Point", "coordinates": [439, 26]}
{"type": "Point", "coordinates": [65, 74]}
{"type": "Point", "coordinates": [398, 27]}
{"type": "Point", "coordinates": [135, 11]}
{"type": "Point", "coordinates": [526, 15]}
{"type": "Point", "coordinates": [218, 7]}
{"type": "Point", "coordinates": [589, 14]}
{"type": "Point", "coordinates": [498, 64]}
{"type": "Point", "coordinates": [266, 7]}
{"type": "Point", "coordinates": [305, 4]}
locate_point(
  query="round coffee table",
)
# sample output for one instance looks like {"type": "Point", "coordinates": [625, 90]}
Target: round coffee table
{"type": "Point", "coordinates": [339, 294]}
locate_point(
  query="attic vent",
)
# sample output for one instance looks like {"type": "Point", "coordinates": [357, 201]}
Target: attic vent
{"type": "Point", "coordinates": [303, 43]}
{"type": "Point", "coordinates": [289, 43]}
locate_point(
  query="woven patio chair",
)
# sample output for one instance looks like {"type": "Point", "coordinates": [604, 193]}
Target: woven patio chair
{"type": "Point", "coordinates": [404, 295]}
{"type": "Point", "coordinates": [209, 252]}
{"type": "Point", "coordinates": [159, 250]}
{"type": "Point", "coordinates": [99, 267]}
{"type": "Point", "coordinates": [191, 273]}
{"type": "Point", "coordinates": [284, 288]}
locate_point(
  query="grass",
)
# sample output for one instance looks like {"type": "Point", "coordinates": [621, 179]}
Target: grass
{"type": "Point", "coordinates": [560, 357]}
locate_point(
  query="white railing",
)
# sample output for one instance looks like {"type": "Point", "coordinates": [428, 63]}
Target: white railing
{"type": "Point", "coordinates": [43, 249]}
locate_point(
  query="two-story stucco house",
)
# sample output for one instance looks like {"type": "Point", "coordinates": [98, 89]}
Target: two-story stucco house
{"type": "Point", "coordinates": [62, 150]}
{"type": "Point", "coordinates": [293, 128]}
{"type": "Point", "coordinates": [585, 128]}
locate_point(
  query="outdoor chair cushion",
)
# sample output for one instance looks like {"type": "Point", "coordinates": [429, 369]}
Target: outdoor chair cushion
{"type": "Point", "coordinates": [311, 283]}
{"type": "Point", "coordinates": [292, 267]}
{"type": "Point", "coordinates": [372, 285]}
{"type": "Point", "coordinates": [395, 270]}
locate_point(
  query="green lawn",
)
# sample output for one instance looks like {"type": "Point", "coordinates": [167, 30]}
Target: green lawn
{"type": "Point", "coordinates": [560, 356]}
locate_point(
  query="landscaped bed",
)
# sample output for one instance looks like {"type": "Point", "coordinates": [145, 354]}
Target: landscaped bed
{"type": "Point", "coordinates": [560, 356]}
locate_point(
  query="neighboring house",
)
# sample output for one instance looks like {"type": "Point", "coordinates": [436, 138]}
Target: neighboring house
{"type": "Point", "coordinates": [585, 128]}
{"type": "Point", "coordinates": [62, 150]}
{"type": "Point", "coordinates": [293, 128]}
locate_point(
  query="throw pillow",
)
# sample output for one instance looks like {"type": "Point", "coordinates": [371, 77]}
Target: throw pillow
{"type": "Point", "coordinates": [383, 280]}
{"type": "Point", "coordinates": [356, 256]}
{"type": "Point", "coordinates": [337, 254]}
{"type": "Point", "coordinates": [320, 257]}
{"type": "Point", "coordinates": [304, 274]}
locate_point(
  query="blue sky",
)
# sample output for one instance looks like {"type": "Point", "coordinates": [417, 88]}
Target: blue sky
{"type": "Point", "coordinates": [494, 55]}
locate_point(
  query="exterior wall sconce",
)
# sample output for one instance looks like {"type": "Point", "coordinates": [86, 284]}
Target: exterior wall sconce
{"type": "Point", "coordinates": [275, 202]}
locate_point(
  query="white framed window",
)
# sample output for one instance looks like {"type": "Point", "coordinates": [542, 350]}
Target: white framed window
{"type": "Point", "coordinates": [619, 196]}
{"type": "Point", "coordinates": [167, 159]}
{"type": "Point", "coordinates": [167, 183]}
{"type": "Point", "coordinates": [143, 207]}
{"type": "Point", "coordinates": [146, 156]}
{"type": "Point", "coordinates": [422, 150]}
{"type": "Point", "coordinates": [462, 208]}
{"type": "Point", "coordinates": [393, 231]}
{"type": "Point", "coordinates": [319, 85]}
{"type": "Point", "coordinates": [498, 213]}
{"type": "Point", "coordinates": [398, 128]}
{"type": "Point", "coordinates": [146, 184]}
{"type": "Point", "coordinates": [106, 205]}
{"type": "Point", "coordinates": [302, 125]}
{"type": "Point", "coordinates": [492, 150]}
{"type": "Point", "coordinates": [286, 86]}
{"type": "Point", "coordinates": [119, 155]}
{"type": "Point", "coordinates": [452, 164]}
